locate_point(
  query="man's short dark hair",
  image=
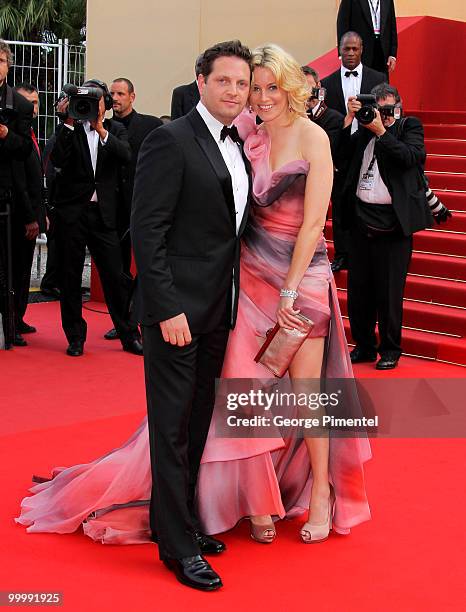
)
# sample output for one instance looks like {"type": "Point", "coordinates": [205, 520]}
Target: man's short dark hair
{"type": "Point", "coordinates": [198, 65]}
{"type": "Point", "coordinates": [230, 48]}
{"type": "Point", "coordinates": [27, 87]}
{"type": "Point", "coordinates": [311, 72]}
{"type": "Point", "coordinates": [383, 90]}
{"type": "Point", "coordinates": [350, 34]}
{"type": "Point", "coordinates": [127, 81]}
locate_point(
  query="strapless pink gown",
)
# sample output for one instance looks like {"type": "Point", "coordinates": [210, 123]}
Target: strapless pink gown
{"type": "Point", "coordinates": [239, 477]}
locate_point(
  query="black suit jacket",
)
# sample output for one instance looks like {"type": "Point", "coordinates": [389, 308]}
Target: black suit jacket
{"type": "Point", "coordinates": [400, 158]}
{"type": "Point", "coordinates": [17, 144]}
{"type": "Point", "coordinates": [331, 121]}
{"type": "Point", "coordinates": [74, 179]}
{"type": "Point", "coordinates": [184, 99]}
{"type": "Point", "coordinates": [139, 127]}
{"type": "Point", "coordinates": [335, 98]}
{"type": "Point", "coordinates": [28, 182]}
{"type": "Point", "coordinates": [355, 15]}
{"type": "Point", "coordinates": [183, 228]}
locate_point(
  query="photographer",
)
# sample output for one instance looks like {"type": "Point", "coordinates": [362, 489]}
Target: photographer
{"type": "Point", "coordinates": [86, 156]}
{"type": "Point", "coordinates": [15, 144]}
{"type": "Point", "coordinates": [29, 219]}
{"type": "Point", "coordinates": [386, 204]}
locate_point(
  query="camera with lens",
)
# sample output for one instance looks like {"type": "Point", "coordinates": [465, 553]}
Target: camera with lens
{"type": "Point", "coordinates": [366, 114]}
{"type": "Point", "coordinates": [84, 102]}
{"type": "Point", "coordinates": [318, 93]}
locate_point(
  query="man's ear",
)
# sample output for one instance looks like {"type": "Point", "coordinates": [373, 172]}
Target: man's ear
{"type": "Point", "coordinates": [132, 97]}
{"type": "Point", "coordinates": [201, 83]}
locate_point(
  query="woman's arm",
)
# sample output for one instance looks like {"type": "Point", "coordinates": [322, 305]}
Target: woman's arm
{"type": "Point", "coordinates": [315, 149]}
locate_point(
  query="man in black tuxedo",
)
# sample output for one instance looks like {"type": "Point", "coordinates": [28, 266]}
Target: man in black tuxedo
{"type": "Point", "coordinates": [351, 79]}
{"type": "Point", "coordinates": [330, 120]}
{"type": "Point", "coordinates": [386, 204]}
{"type": "Point", "coordinates": [138, 126]}
{"type": "Point", "coordinates": [15, 145]}
{"type": "Point", "coordinates": [29, 219]}
{"type": "Point", "coordinates": [375, 22]}
{"type": "Point", "coordinates": [189, 210]}
{"type": "Point", "coordinates": [185, 97]}
{"type": "Point", "coordinates": [87, 156]}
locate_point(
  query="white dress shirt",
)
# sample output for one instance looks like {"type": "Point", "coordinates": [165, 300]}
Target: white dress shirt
{"type": "Point", "coordinates": [351, 86]}
{"type": "Point", "coordinates": [374, 7]}
{"type": "Point", "coordinates": [371, 188]}
{"type": "Point", "coordinates": [231, 154]}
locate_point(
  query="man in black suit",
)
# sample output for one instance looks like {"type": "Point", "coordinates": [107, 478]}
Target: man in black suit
{"type": "Point", "coordinates": [387, 203]}
{"type": "Point", "coordinates": [138, 127]}
{"type": "Point", "coordinates": [189, 210]}
{"type": "Point", "coordinates": [29, 219]}
{"type": "Point", "coordinates": [185, 97]}
{"type": "Point", "coordinates": [15, 145]}
{"type": "Point", "coordinates": [351, 79]}
{"type": "Point", "coordinates": [87, 156]}
{"type": "Point", "coordinates": [330, 120]}
{"type": "Point", "coordinates": [375, 22]}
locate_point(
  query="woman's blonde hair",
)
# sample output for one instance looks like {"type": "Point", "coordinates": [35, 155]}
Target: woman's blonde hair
{"type": "Point", "coordinates": [288, 75]}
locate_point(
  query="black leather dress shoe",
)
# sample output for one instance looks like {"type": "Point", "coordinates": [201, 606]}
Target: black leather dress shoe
{"type": "Point", "coordinates": [24, 328]}
{"type": "Point", "coordinates": [387, 363]}
{"type": "Point", "coordinates": [208, 544]}
{"type": "Point", "coordinates": [339, 263]}
{"type": "Point", "coordinates": [112, 334]}
{"type": "Point", "coordinates": [358, 355]}
{"type": "Point", "coordinates": [75, 348]}
{"type": "Point", "coordinates": [133, 346]}
{"type": "Point", "coordinates": [18, 340]}
{"type": "Point", "coordinates": [194, 572]}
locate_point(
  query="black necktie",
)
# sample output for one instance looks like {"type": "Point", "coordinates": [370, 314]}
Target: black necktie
{"type": "Point", "coordinates": [232, 132]}
{"type": "Point", "coordinates": [353, 72]}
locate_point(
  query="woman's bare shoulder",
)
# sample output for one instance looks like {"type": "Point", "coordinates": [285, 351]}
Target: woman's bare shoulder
{"type": "Point", "coordinates": [312, 137]}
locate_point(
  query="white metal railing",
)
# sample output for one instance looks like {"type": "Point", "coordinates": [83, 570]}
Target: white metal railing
{"type": "Point", "coordinates": [48, 66]}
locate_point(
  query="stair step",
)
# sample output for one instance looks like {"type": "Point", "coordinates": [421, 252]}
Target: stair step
{"type": "Point", "coordinates": [443, 146]}
{"type": "Point", "coordinates": [449, 292]}
{"type": "Point", "coordinates": [447, 180]}
{"type": "Point", "coordinates": [425, 344]}
{"type": "Point", "coordinates": [427, 264]}
{"type": "Point", "coordinates": [428, 317]}
{"type": "Point", "coordinates": [446, 163]}
{"type": "Point", "coordinates": [454, 200]}
{"type": "Point", "coordinates": [431, 241]}
{"type": "Point", "coordinates": [438, 117]}
{"type": "Point", "coordinates": [457, 132]}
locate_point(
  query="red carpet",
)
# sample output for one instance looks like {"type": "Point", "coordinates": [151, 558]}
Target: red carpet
{"type": "Point", "coordinates": [59, 411]}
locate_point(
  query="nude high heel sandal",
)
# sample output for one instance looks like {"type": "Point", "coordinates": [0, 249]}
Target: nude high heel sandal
{"type": "Point", "coordinates": [313, 533]}
{"type": "Point", "coordinates": [265, 534]}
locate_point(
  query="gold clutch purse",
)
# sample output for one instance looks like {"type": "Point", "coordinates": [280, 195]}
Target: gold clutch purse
{"type": "Point", "coordinates": [281, 345]}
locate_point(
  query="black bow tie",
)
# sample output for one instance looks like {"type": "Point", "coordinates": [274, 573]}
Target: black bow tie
{"type": "Point", "coordinates": [232, 132]}
{"type": "Point", "coordinates": [353, 72]}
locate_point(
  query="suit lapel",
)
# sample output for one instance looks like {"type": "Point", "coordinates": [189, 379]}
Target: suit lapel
{"type": "Point", "coordinates": [101, 150]}
{"type": "Point", "coordinates": [366, 11]}
{"type": "Point", "coordinates": [383, 14]}
{"type": "Point", "coordinates": [212, 152]}
{"type": "Point", "coordinates": [339, 90]}
{"type": "Point", "coordinates": [365, 81]}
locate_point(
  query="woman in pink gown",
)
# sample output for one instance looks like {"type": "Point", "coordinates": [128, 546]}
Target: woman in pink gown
{"type": "Point", "coordinates": [258, 478]}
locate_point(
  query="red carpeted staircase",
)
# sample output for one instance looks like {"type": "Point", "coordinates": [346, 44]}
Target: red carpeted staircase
{"type": "Point", "coordinates": [435, 298]}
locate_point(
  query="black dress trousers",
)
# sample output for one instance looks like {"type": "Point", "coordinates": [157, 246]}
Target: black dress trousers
{"type": "Point", "coordinates": [377, 271]}
{"type": "Point", "coordinates": [104, 246]}
{"type": "Point", "coordinates": [180, 387]}
{"type": "Point", "coordinates": [22, 258]}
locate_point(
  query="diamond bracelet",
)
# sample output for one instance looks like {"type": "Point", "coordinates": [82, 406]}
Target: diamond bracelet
{"type": "Point", "coordinates": [289, 293]}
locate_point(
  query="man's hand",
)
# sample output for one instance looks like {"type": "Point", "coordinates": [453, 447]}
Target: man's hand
{"type": "Point", "coordinates": [98, 124]}
{"type": "Point", "coordinates": [391, 63]}
{"type": "Point", "coordinates": [3, 131]}
{"type": "Point", "coordinates": [176, 330]}
{"type": "Point", "coordinates": [32, 230]}
{"type": "Point", "coordinates": [353, 107]}
{"type": "Point", "coordinates": [376, 126]}
{"type": "Point", "coordinates": [62, 108]}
